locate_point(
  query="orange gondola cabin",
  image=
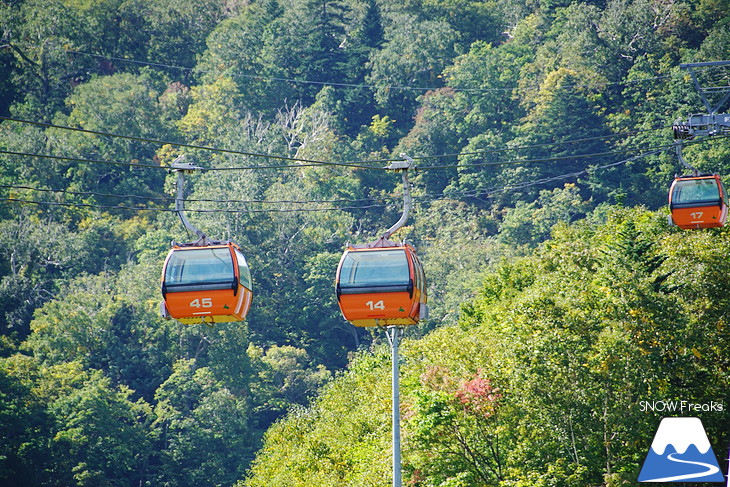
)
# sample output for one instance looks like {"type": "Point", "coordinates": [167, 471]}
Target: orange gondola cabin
{"type": "Point", "coordinates": [206, 283]}
{"type": "Point", "coordinates": [381, 286]}
{"type": "Point", "coordinates": [698, 201]}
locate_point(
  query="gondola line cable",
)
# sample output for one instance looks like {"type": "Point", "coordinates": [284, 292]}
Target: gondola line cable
{"type": "Point", "coordinates": [170, 199]}
{"type": "Point", "coordinates": [362, 85]}
{"type": "Point", "coordinates": [185, 145]}
{"type": "Point", "coordinates": [475, 193]}
{"type": "Point", "coordinates": [171, 210]}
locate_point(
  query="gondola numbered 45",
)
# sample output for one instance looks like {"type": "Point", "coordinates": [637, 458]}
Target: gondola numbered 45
{"type": "Point", "coordinates": [206, 281]}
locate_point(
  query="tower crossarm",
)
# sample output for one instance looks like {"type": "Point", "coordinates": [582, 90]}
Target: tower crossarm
{"type": "Point", "coordinates": [710, 123]}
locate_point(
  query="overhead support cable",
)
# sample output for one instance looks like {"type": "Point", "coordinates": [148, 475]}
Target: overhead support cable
{"type": "Point", "coordinates": [167, 168]}
{"type": "Point", "coordinates": [363, 164]}
{"type": "Point", "coordinates": [170, 199]}
{"type": "Point", "coordinates": [182, 144]}
{"type": "Point", "coordinates": [172, 210]}
{"type": "Point", "coordinates": [78, 159]}
{"type": "Point", "coordinates": [354, 165]}
{"type": "Point", "coordinates": [622, 135]}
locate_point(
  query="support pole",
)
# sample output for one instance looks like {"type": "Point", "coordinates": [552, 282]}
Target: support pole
{"type": "Point", "coordinates": [395, 333]}
{"type": "Point", "coordinates": [710, 123]}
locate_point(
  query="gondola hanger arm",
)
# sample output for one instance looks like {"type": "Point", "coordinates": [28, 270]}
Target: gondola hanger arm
{"type": "Point", "coordinates": [403, 166]}
{"type": "Point", "coordinates": [678, 149]}
{"type": "Point", "coordinates": [181, 168]}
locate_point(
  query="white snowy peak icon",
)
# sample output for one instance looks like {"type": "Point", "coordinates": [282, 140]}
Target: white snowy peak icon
{"type": "Point", "coordinates": [680, 433]}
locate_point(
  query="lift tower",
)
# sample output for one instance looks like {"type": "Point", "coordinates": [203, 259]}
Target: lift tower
{"type": "Point", "coordinates": [712, 122]}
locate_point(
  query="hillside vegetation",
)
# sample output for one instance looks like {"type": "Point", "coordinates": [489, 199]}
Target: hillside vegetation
{"type": "Point", "coordinates": [543, 380]}
{"type": "Point", "coordinates": [560, 296]}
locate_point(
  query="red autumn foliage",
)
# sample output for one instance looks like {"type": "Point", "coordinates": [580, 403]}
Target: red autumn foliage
{"type": "Point", "coordinates": [477, 395]}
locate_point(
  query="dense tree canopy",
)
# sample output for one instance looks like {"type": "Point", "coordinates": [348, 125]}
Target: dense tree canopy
{"type": "Point", "coordinates": [559, 296]}
{"type": "Point", "coordinates": [540, 383]}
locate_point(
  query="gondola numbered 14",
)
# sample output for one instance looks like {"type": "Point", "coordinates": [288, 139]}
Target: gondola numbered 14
{"type": "Point", "coordinates": [383, 283]}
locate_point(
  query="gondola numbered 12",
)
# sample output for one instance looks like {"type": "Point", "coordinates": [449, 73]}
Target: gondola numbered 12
{"type": "Point", "coordinates": [206, 281]}
{"type": "Point", "coordinates": [383, 283]}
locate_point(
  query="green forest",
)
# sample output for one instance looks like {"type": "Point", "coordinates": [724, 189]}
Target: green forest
{"type": "Point", "coordinates": [562, 300]}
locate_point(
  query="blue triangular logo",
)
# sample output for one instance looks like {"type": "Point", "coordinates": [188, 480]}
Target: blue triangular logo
{"type": "Point", "coordinates": [681, 452]}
